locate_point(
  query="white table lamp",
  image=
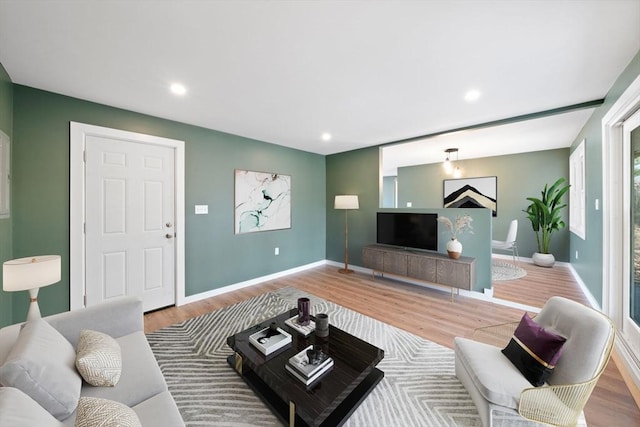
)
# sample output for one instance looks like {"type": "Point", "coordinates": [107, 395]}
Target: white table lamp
{"type": "Point", "coordinates": [31, 274]}
{"type": "Point", "coordinates": [346, 202]}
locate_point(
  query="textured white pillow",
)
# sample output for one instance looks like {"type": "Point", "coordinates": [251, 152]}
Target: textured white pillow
{"type": "Point", "coordinates": [41, 364]}
{"type": "Point", "coordinates": [98, 358]}
{"type": "Point", "coordinates": [97, 412]}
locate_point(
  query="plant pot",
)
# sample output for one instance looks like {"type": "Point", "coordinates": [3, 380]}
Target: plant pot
{"type": "Point", "coordinates": [543, 260]}
{"type": "Point", "coordinates": [454, 248]}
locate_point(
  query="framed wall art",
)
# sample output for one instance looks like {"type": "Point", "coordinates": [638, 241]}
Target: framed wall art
{"type": "Point", "coordinates": [472, 193]}
{"type": "Point", "coordinates": [262, 201]}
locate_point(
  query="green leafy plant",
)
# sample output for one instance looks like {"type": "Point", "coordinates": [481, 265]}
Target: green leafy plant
{"type": "Point", "coordinates": [545, 213]}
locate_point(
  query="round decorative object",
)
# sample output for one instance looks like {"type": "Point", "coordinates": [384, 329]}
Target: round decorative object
{"type": "Point", "coordinates": [543, 260]}
{"type": "Point", "coordinates": [454, 248]}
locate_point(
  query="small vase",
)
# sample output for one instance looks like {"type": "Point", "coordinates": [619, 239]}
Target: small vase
{"type": "Point", "coordinates": [543, 260]}
{"type": "Point", "coordinates": [454, 248]}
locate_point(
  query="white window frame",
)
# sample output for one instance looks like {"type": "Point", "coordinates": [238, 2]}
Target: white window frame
{"type": "Point", "coordinates": [577, 192]}
{"type": "Point", "coordinates": [614, 210]}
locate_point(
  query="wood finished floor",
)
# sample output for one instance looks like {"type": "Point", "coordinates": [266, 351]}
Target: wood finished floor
{"type": "Point", "coordinates": [429, 313]}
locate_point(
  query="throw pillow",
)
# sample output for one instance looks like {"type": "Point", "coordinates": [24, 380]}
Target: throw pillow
{"type": "Point", "coordinates": [41, 364]}
{"type": "Point", "coordinates": [98, 359]}
{"type": "Point", "coordinates": [534, 350]}
{"type": "Point", "coordinates": [18, 409]}
{"type": "Point", "coordinates": [97, 412]}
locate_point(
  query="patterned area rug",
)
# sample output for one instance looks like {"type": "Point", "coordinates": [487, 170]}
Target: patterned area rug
{"type": "Point", "coordinates": [419, 387]}
{"type": "Point", "coordinates": [504, 270]}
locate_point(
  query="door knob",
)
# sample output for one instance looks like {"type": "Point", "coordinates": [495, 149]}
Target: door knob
{"type": "Point", "coordinates": [168, 225]}
{"type": "Point", "coordinates": [169, 236]}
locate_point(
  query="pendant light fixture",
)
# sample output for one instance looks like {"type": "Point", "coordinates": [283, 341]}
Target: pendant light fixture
{"type": "Point", "coordinates": [449, 167]}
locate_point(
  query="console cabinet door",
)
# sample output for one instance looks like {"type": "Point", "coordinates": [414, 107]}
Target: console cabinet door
{"type": "Point", "coordinates": [395, 263]}
{"type": "Point", "coordinates": [454, 274]}
{"type": "Point", "coordinates": [373, 259]}
{"type": "Point", "coordinates": [421, 267]}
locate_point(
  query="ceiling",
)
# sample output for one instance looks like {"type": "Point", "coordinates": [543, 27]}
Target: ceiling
{"type": "Point", "coordinates": [544, 133]}
{"type": "Point", "coordinates": [367, 72]}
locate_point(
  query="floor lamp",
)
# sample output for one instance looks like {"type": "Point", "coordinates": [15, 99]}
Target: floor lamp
{"type": "Point", "coordinates": [346, 202]}
{"type": "Point", "coordinates": [31, 274]}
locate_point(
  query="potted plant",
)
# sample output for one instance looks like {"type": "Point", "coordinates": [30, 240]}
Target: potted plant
{"type": "Point", "coordinates": [545, 216]}
{"type": "Point", "coordinates": [462, 224]}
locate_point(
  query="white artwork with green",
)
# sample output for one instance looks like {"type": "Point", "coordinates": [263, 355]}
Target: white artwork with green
{"type": "Point", "coordinates": [262, 201]}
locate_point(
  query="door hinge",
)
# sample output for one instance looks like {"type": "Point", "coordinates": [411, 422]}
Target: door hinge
{"type": "Point", "coordinates": [84, 301]}
{"type": "Point", "coordinates": [84, 227]}
{"type": "Point", "coordinates": [84, 156]}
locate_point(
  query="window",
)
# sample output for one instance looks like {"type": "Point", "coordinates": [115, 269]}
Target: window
{"type": "Point", "coordinates": [577, 204]}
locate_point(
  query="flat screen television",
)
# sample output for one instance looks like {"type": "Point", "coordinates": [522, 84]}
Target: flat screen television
{"type": "Point", "coordinates": [408, 230]}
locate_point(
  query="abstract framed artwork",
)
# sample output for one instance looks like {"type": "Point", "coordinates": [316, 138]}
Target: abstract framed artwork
{"type": "Point", "coordinates": [472, 193]}
{"type": "Point", "coordinates": [262, 201]}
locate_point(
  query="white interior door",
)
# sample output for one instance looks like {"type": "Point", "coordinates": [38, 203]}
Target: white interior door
{"type": "Point", "coordinates": [129, 221]}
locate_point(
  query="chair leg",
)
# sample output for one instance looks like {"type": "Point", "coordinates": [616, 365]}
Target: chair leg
{"type": "Point", "coordinates": [515, 255]}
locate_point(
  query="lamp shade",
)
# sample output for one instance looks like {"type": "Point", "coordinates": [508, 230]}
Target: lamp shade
{"type": "Point", "coordinates": [31, 273]}
{"type": "Point", "coordinates": [346, 202]}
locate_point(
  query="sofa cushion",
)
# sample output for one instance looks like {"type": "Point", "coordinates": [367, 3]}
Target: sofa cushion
{"type": "Point", "coordinates": [495, 377]}
{"type": "Point", "coordinates": [159, 411]}
{"type": "Point", "coordinates": [96, 412]}
{"type": "Point", "coordinates": [141, 376]}
{"type": "Point", "coordinates": [98, 358]}
{"type": "Point", "coordinates": [42, 365]}
{"type": "Point", "coordinates": [534, 350]}
{"type": "Point", "coordinates": [19, 410]}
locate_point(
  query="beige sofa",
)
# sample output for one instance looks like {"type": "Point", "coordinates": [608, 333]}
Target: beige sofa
{"type": "Point", "coordinates": [53, 378]}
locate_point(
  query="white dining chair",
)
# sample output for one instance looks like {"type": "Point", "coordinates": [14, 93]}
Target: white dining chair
{"type": "Point", "coordinates": [510, 242]}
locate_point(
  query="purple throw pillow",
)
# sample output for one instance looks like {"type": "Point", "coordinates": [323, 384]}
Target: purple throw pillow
{"type": "Point", "coordinates": [534, 350]}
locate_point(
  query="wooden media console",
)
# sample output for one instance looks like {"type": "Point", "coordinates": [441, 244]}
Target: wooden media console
{"type": "Point", "coordinates": [430, 267]}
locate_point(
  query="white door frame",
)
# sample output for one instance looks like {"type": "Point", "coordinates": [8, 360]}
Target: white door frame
{"type": "Point", "coordinates": [78, 134]}
{"type": "Point", "coordinates": [614, 210]}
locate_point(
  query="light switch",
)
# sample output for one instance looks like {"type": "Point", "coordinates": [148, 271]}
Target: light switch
{"type": "Point", "coordinates": [597, 204]}
{"type": "Point", "coordinates": [202, 209]}
{"type": "Point", "coordinates": [409, 204]}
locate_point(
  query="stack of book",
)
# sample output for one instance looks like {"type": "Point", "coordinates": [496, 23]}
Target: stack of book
{"type": "Point", "coordinates": [308, 372]}
{"type": "Point", "coordinates": [303, 330]}
{"type": "Point", "coordinates": [268, 340]}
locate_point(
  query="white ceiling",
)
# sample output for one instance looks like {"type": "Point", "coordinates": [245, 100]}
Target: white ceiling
{"type": "Point", "coordinates": [546, 133]}
{"type": "Point", "coordinates": [368, 72]}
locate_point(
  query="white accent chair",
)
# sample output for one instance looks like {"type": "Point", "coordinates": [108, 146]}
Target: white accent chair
{"type": "Point", "coordinates": [510, 242]}
{"type": "Point", "coordinates": [497, 388]}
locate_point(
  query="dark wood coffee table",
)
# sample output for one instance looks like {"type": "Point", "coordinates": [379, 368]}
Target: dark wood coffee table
{"type": "Point", "coordinates": [330, 401]}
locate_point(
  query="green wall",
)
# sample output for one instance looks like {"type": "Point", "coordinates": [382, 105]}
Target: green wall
{"type": "Point", "coordinates": [518, 175]}
{"type": "Point", "coordinates": [6, 125]}
{"type": "Point", "coordinates": [353, 172]}
{"type": "Point", "coordinates": [215, 256]}
{"type": "Point", "coordinates": [589, 263]}
{"type": "Point", "coordinates": [356, 172]}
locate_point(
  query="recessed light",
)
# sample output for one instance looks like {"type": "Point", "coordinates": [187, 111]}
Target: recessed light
{"type": "Point", "coordinates": [472, 95]}
{"type": "Point", "coordinates": [178, 89]}
{"type": "Point", "coordinates": [326, 136]}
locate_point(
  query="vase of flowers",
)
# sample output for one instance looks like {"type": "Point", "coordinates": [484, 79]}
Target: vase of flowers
{"type": "Point", "coordinates": [461, 224]}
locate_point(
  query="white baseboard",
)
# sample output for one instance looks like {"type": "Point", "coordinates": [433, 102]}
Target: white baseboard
{"type": "Point", "coordinates": [247, 283]}
{"type": "Point", "coordinates": [587, 293]}
{"type": "Point", "coordinates": [630, 369]}
{"type": "Point", "coordinates": [351, 267]}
